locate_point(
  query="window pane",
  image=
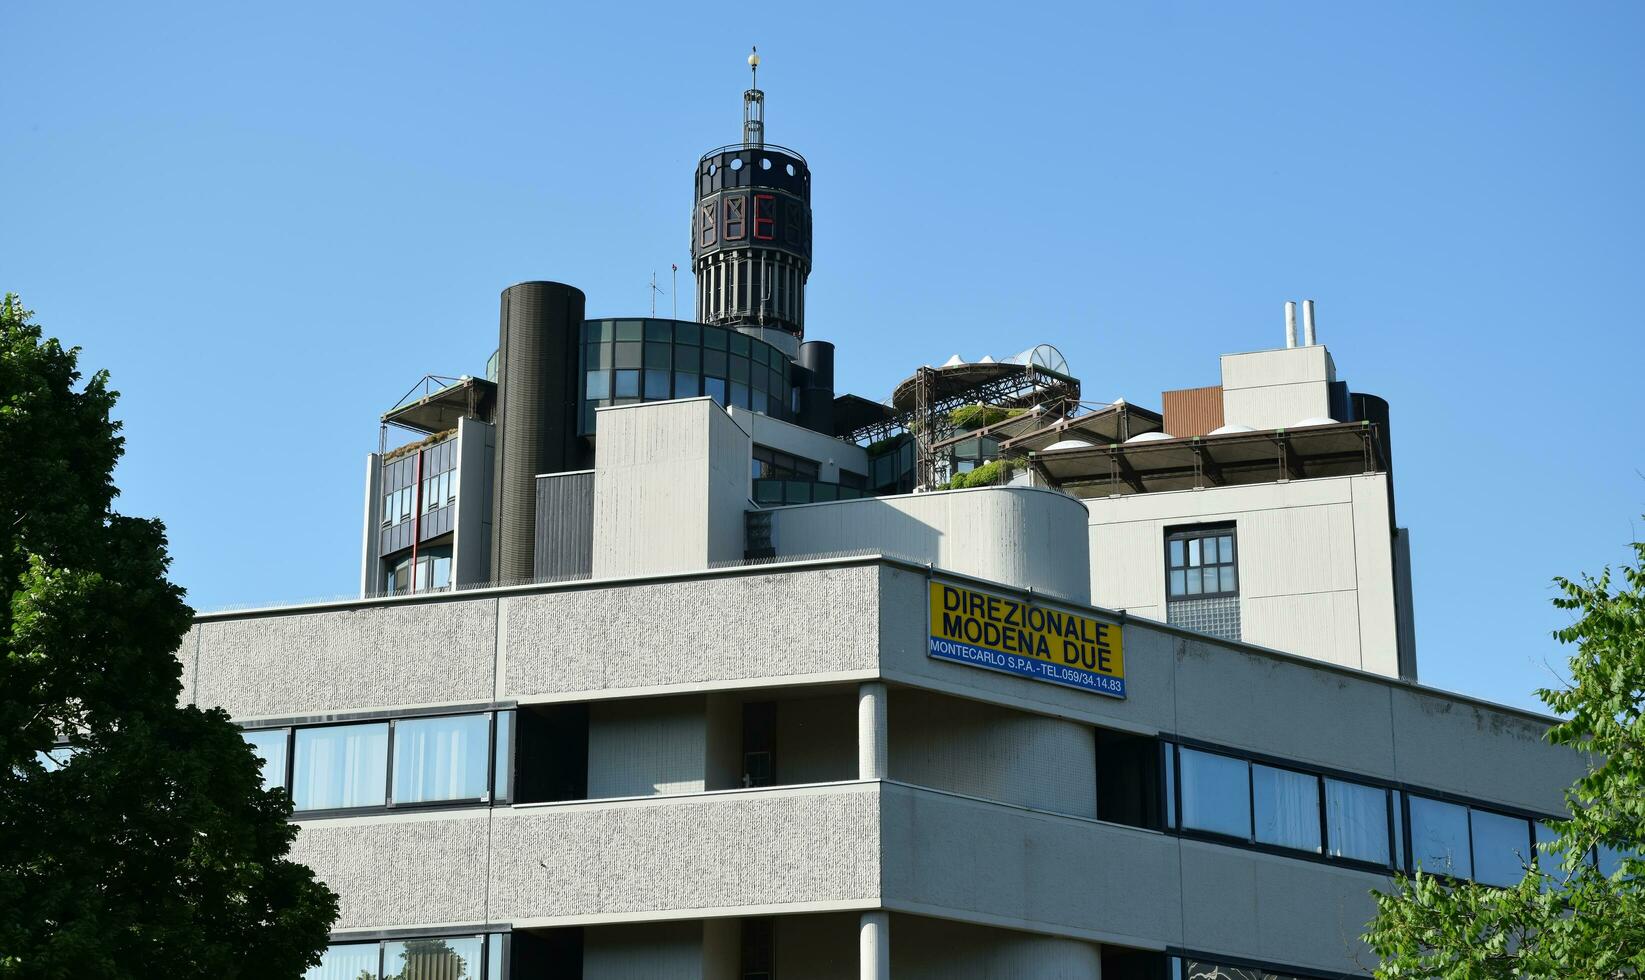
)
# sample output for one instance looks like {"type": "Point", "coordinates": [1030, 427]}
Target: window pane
{"type": "Point", "coordinates": [433, 959]}
{"type": "Point", "coordinates": [270, 746]}
{"type": "Point", "coordinates": [1439, 837]}
{"type": "Point", "coordinates": [628, 384]}
{"type": "Point", "coordinates": [685, 385]}
{"type": "Point", "coordinates": [630, 330]}
{"type": "Point", "coordinates": [1208, 551]}
{"type": "Point", "coordinates": [347, 962]}
{"type": "Point", "coordinates": [739, 370]}
{"type": "Point", "coordinates": [739, 394]}
{"type": "Point", "coordinates": [1216, 793]}
{"type": "Point", "coordinates": [1177, 585]}
{"type": "Point", "coordinates": [342, 766]}
{"type": "Point", "coordinates": [714, 363]}
{"type": "Point", "coordinates": [1193, 581]}
{"type": "Point", "coordinates": [1356, 821]}
{"type": "Point", "coordinates": [1609, 859]}
{"type": "Point", "coordinates": [685, 333]}
{"type": "Point", "coordinates": [688, 359]}
{"type": "Point", "coordinates": [1193, 552]}
{"type": "Point", "coordinates": [504, 762]}
{"type": "Point", "coordinates": [1177, 550]}
{"type": "Point", "coordinates": [441, 758]}
{"type": "Point", "coordinates": [599, 356]}
{"type": "Point", "coordinates": [658, 330]}
{"type": "Point", "coordinates": [598, 384]}
{"type": "Point", "coordinates": [714, 338]}
{"type": "Point", "coordinates": [656, 385]}
{"type": "Point", "coordinates": [1500, 848]}
{"type": "Point", "coordinates": [1229, 584]}
{"type": "Point", "coordinates": [1226, 548]}
{"type": "Point", "coordinates": [1210, 578]}
{"type": "Point", "coordinates": [1287, 808]}
{"type": "Point", "coordinates": [656, 356]}
{"type": "Point", "coordinates": [715, 389]}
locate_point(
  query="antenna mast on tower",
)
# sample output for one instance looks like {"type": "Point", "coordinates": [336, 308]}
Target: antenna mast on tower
{"type": "Point", "coordinates": [754, 105]}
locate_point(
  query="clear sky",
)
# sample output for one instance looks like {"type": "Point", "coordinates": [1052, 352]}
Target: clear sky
{"type": "Point", "coordinates": [268, 221]}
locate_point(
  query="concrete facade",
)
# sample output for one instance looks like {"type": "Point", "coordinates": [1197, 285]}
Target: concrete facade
{"type": "Point", "coordinates": [981, 847]}
{"type": "Point", "coordinates": [1317, 563]}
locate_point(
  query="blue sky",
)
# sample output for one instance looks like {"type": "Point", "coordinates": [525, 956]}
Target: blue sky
{"type": "Point", "coordinates": [269, 221]}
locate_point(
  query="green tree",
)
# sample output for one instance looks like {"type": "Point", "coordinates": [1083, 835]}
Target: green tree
{"type": "Point", "coordinates": [1565, 920]}
{"type": "Point", "coordinates": [147, 848]}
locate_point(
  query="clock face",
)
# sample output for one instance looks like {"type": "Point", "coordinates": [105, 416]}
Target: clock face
{"type": "Point", "coordinates": [730, 218]}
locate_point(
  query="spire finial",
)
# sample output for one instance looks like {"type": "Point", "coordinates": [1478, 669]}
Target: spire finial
{"type": "Point", "coordinates": [754, 104]}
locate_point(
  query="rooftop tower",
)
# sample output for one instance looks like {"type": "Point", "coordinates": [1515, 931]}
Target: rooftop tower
{"type": "Point", "coordinates": [751, 231]}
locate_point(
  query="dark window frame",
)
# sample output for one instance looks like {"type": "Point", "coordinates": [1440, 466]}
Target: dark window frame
{"type": "Point", "coordinates": [1199, 532]}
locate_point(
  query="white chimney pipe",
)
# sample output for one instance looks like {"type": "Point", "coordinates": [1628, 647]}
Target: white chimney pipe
{"type": "Point", "coordinates": [1290, 323]}
{"type": "Point", "coordinates": [1308, 323]}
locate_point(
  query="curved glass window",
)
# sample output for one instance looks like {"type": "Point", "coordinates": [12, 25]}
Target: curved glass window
{"type": "Point", "coordinates": [627, 361]}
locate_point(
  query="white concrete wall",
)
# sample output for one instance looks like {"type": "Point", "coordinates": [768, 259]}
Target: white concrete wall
{"type": "Point", "coordinates": [671, 482]}
{"type": "Point", "coordinates": [1019, 536]}
{"type": "Point", "coordinates": [471, 540]}
{"type": "Point", "coordinates": [1276, 389]}
{"type": "Point", "coordinates": [1316, 562]}
{"type": "Point", "coordinates": [993, 752]}
{"type": "Point", "coordinates": [647, 747]}
{"type": "Point", "coordinates": [831, 454]}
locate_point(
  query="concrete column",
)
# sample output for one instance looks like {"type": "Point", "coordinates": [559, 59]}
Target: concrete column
{"type": "Point", "coordinates": [872, 757]}
{"type": "Point", "coordinates": [874, 942]}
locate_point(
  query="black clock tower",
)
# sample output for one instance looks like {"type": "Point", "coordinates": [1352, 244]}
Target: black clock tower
{"type": "Point", "coordinates": [751, 229]}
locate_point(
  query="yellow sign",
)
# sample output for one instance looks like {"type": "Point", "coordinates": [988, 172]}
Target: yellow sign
{"type": "Point", "coordinates": [1017, 637]}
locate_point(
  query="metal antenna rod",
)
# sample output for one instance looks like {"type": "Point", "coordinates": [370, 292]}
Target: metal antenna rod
{"type": "Point", "coordinates": [676, 286]}
{"type": "Point", "coordinates": [654, 291]}
{"type": "Point", "coordinates": [754, 105]}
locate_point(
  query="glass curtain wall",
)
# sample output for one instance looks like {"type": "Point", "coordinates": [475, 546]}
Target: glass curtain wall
{"type": "Point", "coordinates": [630, 361]}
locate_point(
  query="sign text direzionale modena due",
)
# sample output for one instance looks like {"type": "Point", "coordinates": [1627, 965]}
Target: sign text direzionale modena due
{"type": "Point", "coordinates": [1017, 637]}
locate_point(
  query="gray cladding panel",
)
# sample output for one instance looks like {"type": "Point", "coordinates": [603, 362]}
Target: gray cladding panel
{"type": "Point", "coordinates": [401, 871]}
{"type": "Point", "coordinates": [711, 631]}
{"type": "Point", "coordinates": [1278, 909]}
{"type": "Point", "coordinates": [1489, 755]}
{"type": "Point", "coordinates": [409, 653]}
{"type": "Point", "coordinates": [685, 854]}
{"type": "Point", "coordinates": [965, 856]}
{"type": "Point", "coordinates": [565, 526]}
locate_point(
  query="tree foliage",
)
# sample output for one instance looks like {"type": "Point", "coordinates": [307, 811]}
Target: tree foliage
{"type": "Point", "coordinates": [148, 847]}
{"type": "Point", "coordinates": [1565, 920]}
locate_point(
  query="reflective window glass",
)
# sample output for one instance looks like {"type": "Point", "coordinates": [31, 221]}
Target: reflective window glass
{"type": "Point", "coordinates": [626, 384]}
{"type": "Point", "coordinates": [503, 760]}
{"type": "Point", "coordinates": [598, 385]}
{"type": "Point", "coordinates": [759, 402]}
{"type": "Point", "coordinates": [1178, 550]}
{"type": "Point", "coordinates": [739, 370]}
{"type": "Point", "coordinates": [713, 338]}
{"type": "Point", "coordinates": [445, 958]}
{"type": "Point", "coordinates": [603, 330]}
{"type": "Point", "coordinates": [1216, 793]}
{"type": "Point", "coordinates": [715, 389]}
{"type": "Point", "coordinates": [599, 356]}
{"type": "Point", "coordinates": [688, 359]}
{"type": "Point", "coordinates": [627, 356]}
{"type": "Point", "coordinates": [441, 758]}
{"type": "Point", "coordinates": [1501, 846]}
{"type": "Point", "coordinates": [1609, 859]}
{"type": "Point", "coordinates": [270, 746]}
{"type": "Point", "coordinates": [714, 363]}
{"type": "Point", "coordinates": [686, 385]}
{"type": "Point", "coordinates": [686, 333]}
{"type": "Point", "coordinates": [1356, 821]}
{"type": "Point", "coordinates": [342, 766]}
{"type": "Point", "coordinates": [1286, 806]}
{"type": "Point", "coordinates": [739, 394]}
{"type": "Point", "coordinates": [658, 330]}
{"type": "Point", "coordinates": [1439, 837]}
{"type": "Point", "coordinates": [739, 343]}
{"type": "Point", "coordinates": [657, 356]}
{"type": "Point", "coordinates": [350, 961]}
{"type": "Point", "coordinates": [656, 385]}
{"type": "Point", "coordinates": [630, 330]}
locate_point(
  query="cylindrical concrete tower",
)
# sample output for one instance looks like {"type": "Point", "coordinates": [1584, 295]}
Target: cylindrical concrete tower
{"type": "Point", "coordinates": [539, 331]}
{"type": "Point", "coordinates": [751, 229]}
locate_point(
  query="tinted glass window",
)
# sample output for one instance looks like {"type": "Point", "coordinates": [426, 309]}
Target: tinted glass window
{"type": "Point", "coordinates": [1439, 837]}
{"type": "Point", "coordinates": [346, 962]}
{"type": "Point", "coordinates": [504, 763]}
{"type": "Point", "coordinates": [1286, 806]}
{"type": "Point", "coordinates": [1501, 848]}
{"type": "Point", "coordinates": [1216, 793]}
{"type": "Point", "coordinates": [432, 959]}
{"type": "Point", "coordinates": [1356, 821]}
{"type": "Point", "coordinates": [340, 767]}
{"type": "Point", "coordinates": [441, 758]}
{"type": "Point", "coordinates": [270, 746]}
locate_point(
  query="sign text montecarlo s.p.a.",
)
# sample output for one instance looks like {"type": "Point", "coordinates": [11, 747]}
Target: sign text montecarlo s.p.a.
{"type": "Point", "coordinates": [1017, 637]}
